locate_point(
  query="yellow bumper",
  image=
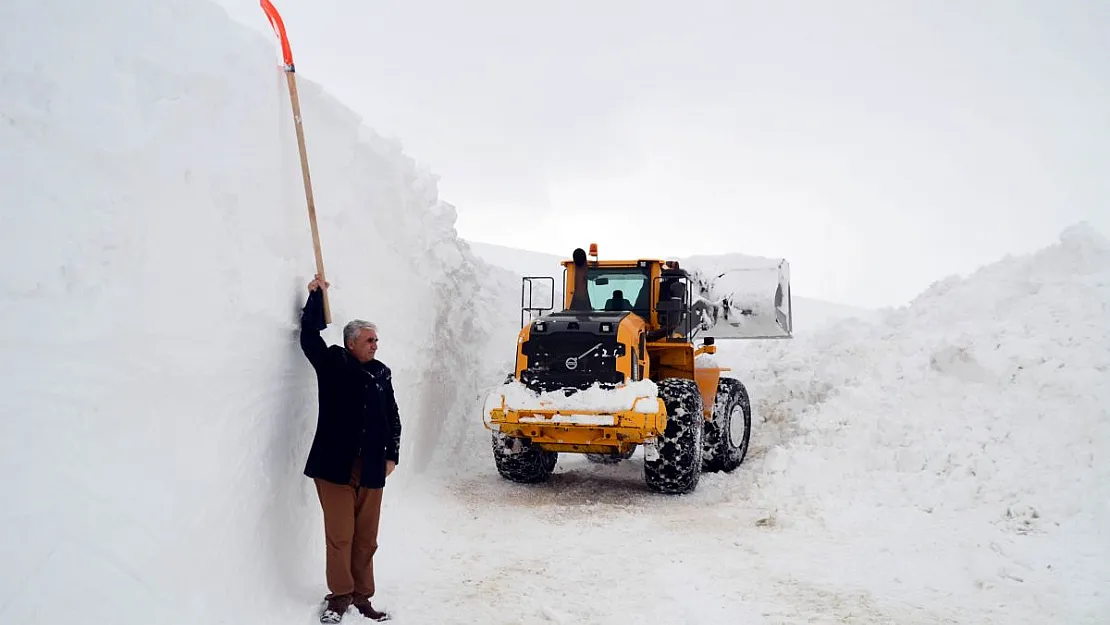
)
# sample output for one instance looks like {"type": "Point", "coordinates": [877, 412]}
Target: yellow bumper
{"type": "Point", "coordinates": [581, 431]}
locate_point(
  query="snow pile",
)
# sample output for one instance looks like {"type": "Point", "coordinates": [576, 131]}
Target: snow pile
{"type": "Point", "coordinates": [983, 407]}
{"type": "Point", "coordinates": [1001, 379]}
{"type": "Point", "coordinates": [153, 262]}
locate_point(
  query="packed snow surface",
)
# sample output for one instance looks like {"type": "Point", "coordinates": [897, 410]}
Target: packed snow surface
{"type": "Point", "coordinates": [943, 462]}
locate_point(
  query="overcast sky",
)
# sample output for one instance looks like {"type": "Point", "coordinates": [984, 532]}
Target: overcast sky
{"type": "Point", "coordinates": [877, 146]}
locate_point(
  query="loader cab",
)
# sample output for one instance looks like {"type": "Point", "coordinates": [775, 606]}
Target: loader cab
{"type": "Point", "coordinates": [610, 286]}
{"type": "Point", "coordinates": [658, 291]}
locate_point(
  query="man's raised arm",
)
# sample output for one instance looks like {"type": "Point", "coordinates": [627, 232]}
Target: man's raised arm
{"type": "Point", "coordinates": [312, 323]}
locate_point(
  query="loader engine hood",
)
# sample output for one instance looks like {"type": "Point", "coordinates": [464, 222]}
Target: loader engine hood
{"type": "Point", "coordinates": [573, 350]}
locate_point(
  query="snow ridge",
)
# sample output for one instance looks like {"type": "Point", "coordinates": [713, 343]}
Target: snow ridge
{"type": "Point", "coordinates": [984, 405]}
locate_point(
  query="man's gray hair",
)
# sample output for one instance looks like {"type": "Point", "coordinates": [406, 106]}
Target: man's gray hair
{"type": "Point", "coordinates": [354, 327]}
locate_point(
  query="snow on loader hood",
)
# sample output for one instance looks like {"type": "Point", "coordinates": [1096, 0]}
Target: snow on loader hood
{"type": "Point", "coordinates": [638, 396]}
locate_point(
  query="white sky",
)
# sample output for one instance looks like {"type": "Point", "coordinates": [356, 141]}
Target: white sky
{"type": "Point", "coordinates": [877, 146]}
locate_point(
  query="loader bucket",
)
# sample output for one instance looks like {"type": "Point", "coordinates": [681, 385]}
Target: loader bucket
{"type": "Point", "coordinates": [748, 300]}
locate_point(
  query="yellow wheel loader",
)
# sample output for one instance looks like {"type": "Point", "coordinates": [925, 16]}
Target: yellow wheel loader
{"type": "Point", "coordinates": [617, 367]}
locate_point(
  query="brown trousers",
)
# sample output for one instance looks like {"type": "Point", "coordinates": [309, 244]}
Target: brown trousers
{"type": "Point", "coordinates": [351, 515]}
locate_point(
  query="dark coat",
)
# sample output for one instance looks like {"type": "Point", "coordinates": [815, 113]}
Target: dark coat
{"type": "Point", "coordinates": [358, 411]}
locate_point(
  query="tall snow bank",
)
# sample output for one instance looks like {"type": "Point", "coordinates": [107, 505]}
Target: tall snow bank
{"type": "Point", "coordinates": [979, 413]}
{"type": "Point", "coordinates": [156, 408]}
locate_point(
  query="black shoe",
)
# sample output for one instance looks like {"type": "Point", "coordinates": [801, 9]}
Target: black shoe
{"type": "Point", "coordinates": [367, 610]}
{"type": "Point", "coordinates": [336, 608]}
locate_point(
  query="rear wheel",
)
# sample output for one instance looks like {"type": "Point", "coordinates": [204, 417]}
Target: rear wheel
{"type": "Point", "coordinates": [727, 435]}
{"type": "Point", "coordinates": [520, 461]}
{"type": "Point", "coordinates": [673, 463]}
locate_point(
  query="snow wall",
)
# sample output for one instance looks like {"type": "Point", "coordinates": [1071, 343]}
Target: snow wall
{"type": "Point", "coordinates": [154, 254]}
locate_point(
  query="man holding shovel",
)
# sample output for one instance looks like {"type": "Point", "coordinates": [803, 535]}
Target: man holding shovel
{"type": "Point", "coordinates": [358, 434]}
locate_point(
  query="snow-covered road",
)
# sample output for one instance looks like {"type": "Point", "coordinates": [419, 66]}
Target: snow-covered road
{"type": "Point", "coordinates": [593, 546]}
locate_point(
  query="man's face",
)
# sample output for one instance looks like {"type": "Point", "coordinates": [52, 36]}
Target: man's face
{"type": "Point", "coordinates": [364, 346]}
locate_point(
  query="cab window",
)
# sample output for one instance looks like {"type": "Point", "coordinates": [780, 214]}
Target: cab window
{"type": "Point", "coordinates": [618, 289]}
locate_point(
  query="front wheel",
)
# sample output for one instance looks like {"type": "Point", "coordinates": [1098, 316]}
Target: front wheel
{"type": "Point", "coordinates": [518, 460]}
{"type": "Point", "coordinates": [673, 463]}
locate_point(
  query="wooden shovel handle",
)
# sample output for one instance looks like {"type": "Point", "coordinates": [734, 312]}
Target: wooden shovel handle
{"type": "Point", "coordinates": [292, 81]}
{"type": "Point", "coordinates": [290, 76]}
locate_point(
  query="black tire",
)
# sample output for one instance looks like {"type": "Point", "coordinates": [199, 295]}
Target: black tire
{"type": "Point", "coordinates": [518, 460]}
{"type": "Point", "coordinates": [673, 464]}
{"type": "Point", "coordinates": [728, 434]}
{"type": "Point", "coordinates": [612, 458]}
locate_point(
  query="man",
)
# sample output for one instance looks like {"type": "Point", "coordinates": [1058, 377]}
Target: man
{"type": "Point", "coordinates": [617, 302]}
{"type": "Point", "coordinates": [358, 435]}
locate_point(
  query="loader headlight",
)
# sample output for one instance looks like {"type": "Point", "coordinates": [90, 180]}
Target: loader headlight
{"type": "Point", "coordinates": [606, 327]}
{"type": "Point", "coordinates": [539, 326]}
